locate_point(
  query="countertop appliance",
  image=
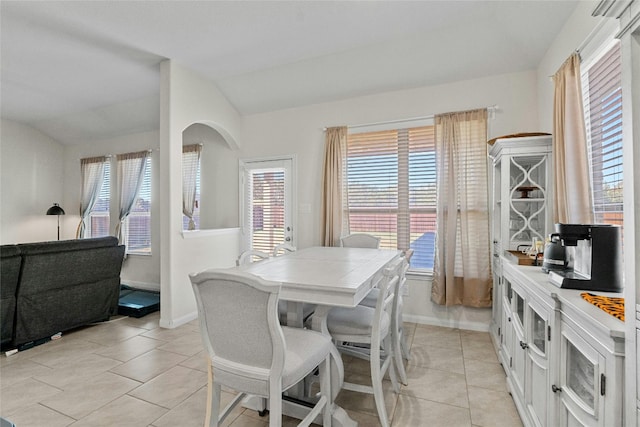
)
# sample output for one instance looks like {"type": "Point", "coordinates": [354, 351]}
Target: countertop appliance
{"type": "Point", "coordinates": [555, 255]}
{"type": "Point", "coordinates": [595, 257]}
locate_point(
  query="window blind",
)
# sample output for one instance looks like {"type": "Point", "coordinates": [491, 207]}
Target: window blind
{"type": "Point", "coordinates": [602, 92]}
{"type": "Point", "coordinates": [99, 219]}
{"type": "Point", "coordinates": [266, 208]}
{"type": "Point", "coordinates": [138, 223]}
{"type": "Point", "coordinates": [391, 187]}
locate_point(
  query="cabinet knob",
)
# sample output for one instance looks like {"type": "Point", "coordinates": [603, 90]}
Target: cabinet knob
{"type": "Point", "coordinates": [524, 345]}
{"type": "Point", "coordinates": [555, 389]}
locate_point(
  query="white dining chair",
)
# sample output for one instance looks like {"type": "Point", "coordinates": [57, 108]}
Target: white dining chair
{"type": "Point", "coordinates": [283, 248]}
{"type": "Point", "coordinates": [251, 256]}
{"type": "Point", "coordinates": [400, 346]}
{"type": "Point", "coordinates": [360, 240]}
{"type": "Point", "coordinates": [249, 352]}
{"type": "Point", "coordinates": [366, 333]}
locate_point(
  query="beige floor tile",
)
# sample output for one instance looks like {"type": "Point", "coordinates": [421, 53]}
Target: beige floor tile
{"type": "Point", "coordinates": [25, 393]}
{"type": "Point", "coordinates": [39, 416]}
{"type": "Point", "coordinates": [149, 365]}
{"type": "Point", "coordinates": [492, 408]}
{"type": "Point", "coordinates": [415, 412]}
{"type": "Point", "coordinates": [436, 336]}
{"type": "Point", "coordinates": [189, 413]}
{"type": "Point", "coordinates": [83, 398]}
{"type": "Point", "coordinates": [439, 386]}
{"type": "Point", "coordinates": [150, 321]}
{"type": "Point", "coordinates": [485, 375]}
{"type": "Point", "coordinates": [131, 348]}
{"type": "Point", "coordinates": [79, 369]}
{"type": "Point", "coordinates": [189, 344]}
{"type": "Point", "coordinates": [434, 357]}
{"type": "Point", "coordinates": [109, 333]}
{"type": "Point", "coordinates": [197, 361]}
{"type": "Point", "coordinates": [171, 387]}
{"type": "Point", "coordinates": [246, 421]}
{"type": "Point", "coordinates": [60, 352]}
{"type": "Point", "coordinates": [479, 350]}
{"type": "Point", "coordinates": [21, 370]}
{"type": "Point", "coordinates": [167, 335]}
{"type": "Point", "coordinates": [125, 411]}
{"type": "Point", "coordinates": [363, 402]}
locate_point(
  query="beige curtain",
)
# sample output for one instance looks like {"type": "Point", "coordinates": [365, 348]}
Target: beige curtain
{"type": "Point", "coordinates": [131, 170]}
{"type": "Point", "coordinates": [462, 274]}
{"type": "Point", "coordinates": [190, 165]}
{"type": "Point", "coordinates": [572, 191]}
{"type": "Point", "coordinates": [92, 178]}
{"type": "Point", "coordinates": [333, 191]}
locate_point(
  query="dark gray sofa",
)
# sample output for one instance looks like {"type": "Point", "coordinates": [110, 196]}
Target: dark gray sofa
{"type": "Point", "coordinates": [10, 261]}
{"type": "Point", "coordinates": [63, 285]}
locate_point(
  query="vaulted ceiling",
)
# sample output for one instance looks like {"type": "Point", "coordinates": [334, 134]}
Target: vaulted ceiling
{"type": "Point", "coordinates": [85, 70]}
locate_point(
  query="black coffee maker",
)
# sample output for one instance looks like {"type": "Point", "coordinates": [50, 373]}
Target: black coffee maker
{"type": "Point", "coordinates": [595, 257]}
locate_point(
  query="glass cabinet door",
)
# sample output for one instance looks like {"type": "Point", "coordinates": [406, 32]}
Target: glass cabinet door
{"type": "Point", "coordinates": [582, 373]}
{"type": "Point", "coordinates": [538, 332]}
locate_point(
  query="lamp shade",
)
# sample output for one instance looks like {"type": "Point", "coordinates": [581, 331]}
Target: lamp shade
{"type": "Point", "coordinates": [55, 210]}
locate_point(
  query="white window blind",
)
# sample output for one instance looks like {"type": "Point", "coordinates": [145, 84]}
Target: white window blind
{"type": "Point", "coordinates": [138, 223]}
{"type": "Point", "coordinates": [99, 219]}
{"type": "Point", "coordinates": [391, 186]}
{"type": "Point", "coordinates": [266, 208]}
{"type": "Point", "coordinates": [602, 93]}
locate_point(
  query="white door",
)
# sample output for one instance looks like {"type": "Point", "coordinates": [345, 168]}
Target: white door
{"type": "Point", "coordinates": [266, 203]}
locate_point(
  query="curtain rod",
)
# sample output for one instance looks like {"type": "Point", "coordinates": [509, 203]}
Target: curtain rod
{"type": "Point", "coordinates": [492, 109]}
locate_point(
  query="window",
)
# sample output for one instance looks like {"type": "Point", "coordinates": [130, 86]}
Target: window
{"type": "Point", "coordinates": [99, 219]}
{"type": "Point", "coordinates": [137, 226]}
{"type": "Point", "coordinates": [391, 189]}
{"type": "Point", "coordinates": [190, 176]}
{"type": "Point", "coordinates": [602, 92]}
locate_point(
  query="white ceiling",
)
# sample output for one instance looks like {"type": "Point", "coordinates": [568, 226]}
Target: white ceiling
{"type": "Point", "coordinates": [86, 70]}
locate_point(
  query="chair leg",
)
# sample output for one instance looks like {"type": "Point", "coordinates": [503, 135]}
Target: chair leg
{"type": "Point", "coordinates": [391, 364]}
{"type": "Point", "coordinates": [275, 406]}
{"type": "Point", "coordinates": [376, 382]}
{"type": "Point", "coordinates": [397, 356]}
{"type": "Point", "coordinates": [405, 347]}
{"type": "Point", "coordinates": [215, 405]}
{"type": "Point", "coordinates": [325, 389]}
{"type": "Point", "coordinates": [213, 398]}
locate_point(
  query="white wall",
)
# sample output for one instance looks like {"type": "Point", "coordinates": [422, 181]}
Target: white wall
{"type": "Point", "coordinates": [139, 270]}
{"type": "Point", "coordinates": [187, 98]}
{"type": "Point", "coordinates": [299, 131]}
{"type": "Point", "coordinates": [31, 171]}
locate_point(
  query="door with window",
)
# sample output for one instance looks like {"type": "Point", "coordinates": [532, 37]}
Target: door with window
{"type": "Point", "coordinates": [266, 203]}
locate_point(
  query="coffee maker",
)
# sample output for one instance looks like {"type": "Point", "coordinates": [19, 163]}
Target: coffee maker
{"type": "Point", "coordinates": [595, 258]}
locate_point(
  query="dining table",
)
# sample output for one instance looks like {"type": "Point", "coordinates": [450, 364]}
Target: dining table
{"type": "Point", "coordinates": [327, 277]}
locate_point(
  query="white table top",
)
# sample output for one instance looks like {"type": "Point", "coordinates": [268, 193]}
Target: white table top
{"type": "Point", "coordinates": [325, 275]}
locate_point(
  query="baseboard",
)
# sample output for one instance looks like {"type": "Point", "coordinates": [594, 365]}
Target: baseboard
{"type": "Point", "coordinates": [145, 286]}
{"type": "Point", "coordinates": [447, 323]}
{"type": "Point", "coordinates": [174, 323]}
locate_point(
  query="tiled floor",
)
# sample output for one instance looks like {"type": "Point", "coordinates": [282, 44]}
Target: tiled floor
{"type": "Point", "coordinates": [130, 372]}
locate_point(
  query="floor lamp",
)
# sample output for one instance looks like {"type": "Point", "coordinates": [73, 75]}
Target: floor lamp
{"type": "Point", "coordinates": [56, 210]}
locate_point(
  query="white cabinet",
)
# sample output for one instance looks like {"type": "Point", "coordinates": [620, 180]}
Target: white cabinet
{"type": "Point", "coordinates": [564, 357]}
{"type": "Point", "coordinates": [529, 373]}
{"type": "Point", "coordinates": [520, 193]}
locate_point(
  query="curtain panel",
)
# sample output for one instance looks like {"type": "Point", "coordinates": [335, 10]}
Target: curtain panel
{"type": "Point", "coordinates": [131, 170]}
{"type": "Point", "coordinates": [190, 166]}
{"type": "Point", "coordinates": [572, 184]}
{"type": "Point", "coordinates": [333, 191]}
{"type": "Point", "coordinates": [92, 178]}
{"type": "Point", "coordinates": [462, 268]}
